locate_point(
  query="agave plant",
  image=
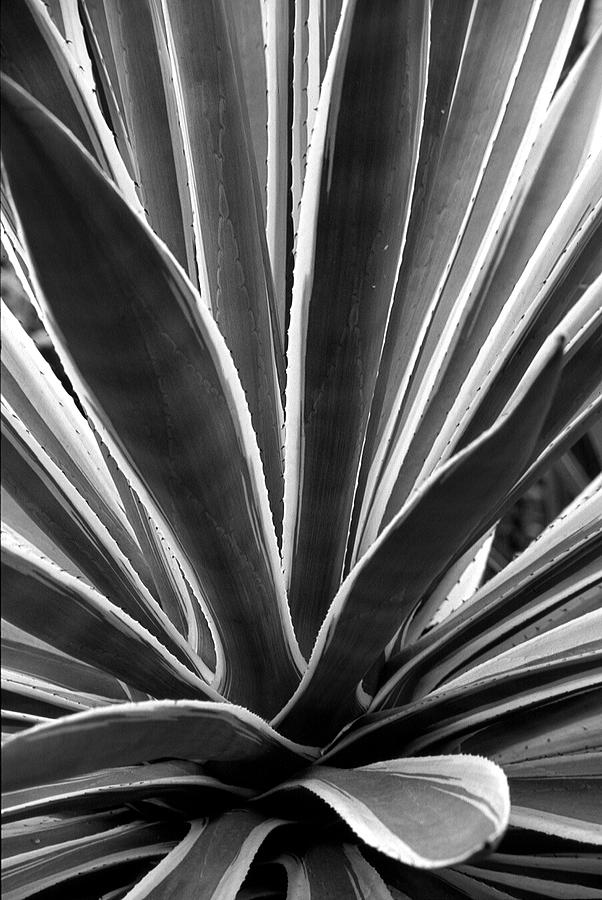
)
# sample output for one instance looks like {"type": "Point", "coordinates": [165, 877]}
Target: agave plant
{"type": "Point", "coordinates": [248, 650]}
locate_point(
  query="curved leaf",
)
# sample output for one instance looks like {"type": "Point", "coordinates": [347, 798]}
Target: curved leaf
{"type": "Point", "coordinates": [40, 869]}
{"type": "Point", "coordinates": [558, 577]}
{"type": "Point", "coordinates": [550, 876]}
{"type": "Point", "coordinates": [57, 668]}
{"type": "Point", "coordinates": [494, 71]}
{"type": "Point", "coordinates": [456, 506]}
{"type": "Point", "coordinates": [328, 870]}
{"type": "Point", "coordinates": [46, 409]}
{"type": "Point", "coordinates": [402, 807]}
{"type": "Point", "coordinates": [129, 41]}
{"type": "Point", "coordinates": [182, 434]}
{"type": "Point", "coordinates": [472, 716]}
{"type": "Point", "coordinates": [234, 270]}
{"type": "Point", "coordinates": [567, 803]}
{"type": "Point", "coordinates": [66, 612]}
{"type": "Point", "coordinates": [35, 54]}
{"type": "Point", "coordinates": [49, 498]}
{"type": "Point", "coordinates": [220, 850]}
{"type": "Point", "coordinates": [237, 743]}
{"type": "Point", "coordinates": [183, 785]}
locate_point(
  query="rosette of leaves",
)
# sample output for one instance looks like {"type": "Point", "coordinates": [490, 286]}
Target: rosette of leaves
{"type": "Point", "coordinates": [247, 649]}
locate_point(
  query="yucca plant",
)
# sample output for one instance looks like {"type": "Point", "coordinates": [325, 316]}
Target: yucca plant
{"type": "Point", "coordinates": [248, 651]}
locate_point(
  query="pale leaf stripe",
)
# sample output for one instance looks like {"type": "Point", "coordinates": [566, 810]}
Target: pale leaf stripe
{"type": "Point", "coordinates": [220, 850]}
{"type": "Point", "coordinates": [398, 806]}
{"type": "Point", "coordinates": [222, 734]}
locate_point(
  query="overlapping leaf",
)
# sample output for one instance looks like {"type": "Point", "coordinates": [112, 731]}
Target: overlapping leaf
{"type": "Point", "coordinates": [183, 785]}
{"type": "Point", "coordinates": [402, 807]}
{"type": "Point", "coordinates": [35, 54]}
{"type": "Point", "coordinates": [445, 348]}
{"type": "Point", "coordinates": [436, 526]}
{"type": "Point", "coordinates": [61, 609]}
{"type": "Point", "coordinates": [182, 433]}
{"type": "Point", "coordinates": [222, 850]}
{"type": "Point", "coordinates": [331, 870]}
{"type": "Point", "coordinates": [223, 735]}
{"type": "Point", "coordinates": [343, 281]}
{"type": "Point", "coordinates": [482, 113]}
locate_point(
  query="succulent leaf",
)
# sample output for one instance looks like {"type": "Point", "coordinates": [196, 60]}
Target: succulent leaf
{"type": "Point", "coordinates": [302, 339]}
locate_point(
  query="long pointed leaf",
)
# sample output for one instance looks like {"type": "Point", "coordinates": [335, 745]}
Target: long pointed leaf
{"type": "Point", "coordinates": [329, 870]}
{"type": "Point", "coordinates": [46, 409]}
{"type": "Point", "coordinates": [183, 436]}
{"type": "Point", "coordinates": [561, 797]}
{"type": "Point", "coordinates": [352, 229]}
{"type": "Point", "coordinates": [182, 784]}
{"type": "Point", "coordinates": [470, 715]}
{"type": "Point", "coordinates": [549, 876]}
{"type": "Point", "coordinates": [35, 55]}
{"type": "Point", "coordinates": [222, 850]}
{"type": "Point", "coordinates": [234, 273]}
{"type": "Point", "coordinates": [278, 30]}
{"type": "Point", "coordinates": [133, 47]}
{"type": "Point", "coordinates": [558, 576]}
{"type": "Point", "coordinates": [417, 427]}
{"type": "Point", "coordinates": [60, 669]}
{"type": "Point", "coordinates": [63, 610]}
{"type": "Point", "coordinates": [456, 506]}
{"type": "Point", "coordinates": [57, 865]}
{"type": "Point", "coordinates": [53, 504]}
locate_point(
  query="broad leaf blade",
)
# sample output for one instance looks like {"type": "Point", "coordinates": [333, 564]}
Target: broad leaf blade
{"type": "Point", "coordinates": [169, 585]}
{"type": "Point", "coordinates": [249, 24]}
{"type": "Point", "coordinates": [403, 807]}
{"type": "Point", "coordinates": [227, 739]}
{"type": "Point", "coordinates": [183, 435]}
{"type": "Point", "coordinates": [278, 40]}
